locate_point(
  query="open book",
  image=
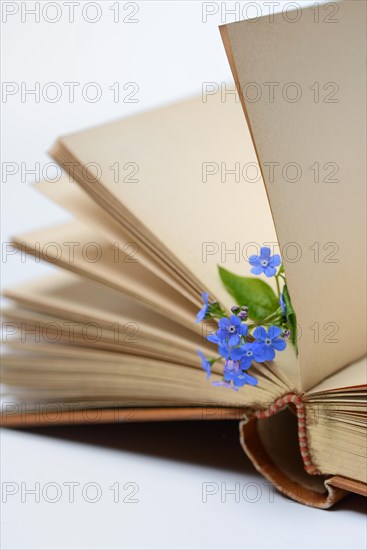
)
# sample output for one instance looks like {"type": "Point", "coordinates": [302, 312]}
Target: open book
{"type": "Point", "coordinates": [158, 201]}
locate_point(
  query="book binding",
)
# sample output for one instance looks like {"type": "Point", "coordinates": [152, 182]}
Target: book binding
{"type": "Point", "coordinates": [308, 486]}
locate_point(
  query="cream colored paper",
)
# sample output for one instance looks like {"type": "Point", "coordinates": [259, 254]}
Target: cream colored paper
{"type": "Point", "coordinates": [183, 217]}
{"type": "Point", "coordinates": [354, 375]}
{"type": "Point", "coordinates": [71, 297]}
{"type": "Point", "coordinates": [77, 248]}
{"type": "Point", "coordinates": [325, 129]}
{"type": "Point", "coordinates": [70, 196]}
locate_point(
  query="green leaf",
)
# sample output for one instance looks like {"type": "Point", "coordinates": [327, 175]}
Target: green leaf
{"type": "Point", "coordinates": [254, 293]}
{"type": "Point", "coordinates": [291, 315]}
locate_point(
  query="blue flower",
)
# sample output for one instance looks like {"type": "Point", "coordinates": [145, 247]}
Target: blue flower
{"type": "Point", "coordinates": [222, 346]}
{"type": "Point", "coordinates": [282, 305]}
{"type": "Point", "coordinates": [265, 263]}
{"type": "Point", "coordinates": [205, 363]}
{"type": "Point", "coordinates": [234, 377]}
{"type": "Point", "coordinates": [246, 354]}
{"type": "Point", "coordinates": [231, 330]}
{"type": "Point", "coordinates": [204, 310]}
{"type": "Point", "coordinates": [251, 380]}
{"type": "Point", "coordinates": [234, 373]}
{"type": "Point", "coordinates": [267, 342]}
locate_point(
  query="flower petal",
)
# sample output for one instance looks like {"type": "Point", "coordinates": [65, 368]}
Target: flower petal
{"type": "Point", "coordinates": [234, 320]}
{"type": "Point", "coordinates": [263, 352]}
{"type": "Point", "coordinates": [240, 380]}
{"type": "Point", "coordinates": [268, 353]}
{"type": "Point", "coordinates": [201, 314]}
{"type": "Point", "coordinates": [234, 340]}
{"type": "Point", "coordinates": [251, 380]}
{"type": "Point", "coordinates": [224, 323]}
{"type": "Point", "coordinates": [265, 253]}
{"type": "Point", "coordinates": [259, 352]}
{"type": "Point", "coordinates": [237, 353]}
{"type": "Point", "coordinates": [274, 332]}
{"type": "Point", "coordinates": [260, 333]}
{"type": "Point", "coordinates": [222, 335]}
{"type": "Point", "coordinates": [257, 270]}
{"type": "Point", "coordinates": [243, 329]}
{"type": "Point", "coordinates": [201, 355]}
{"type": "Point", "coordinates": [204, 363]}
{"type": "Point", "coordinates": [205, 297]}
{"type": "Point", "coordinates": [270, 271]}
{"type": "Point", "coordinates": [279, 344]}
{"type": "Point", "coordinates": [246, 362]}
{"type": "Point", "coordinates": [228, 376]}
{"type": "Point", "coordinates": [254, 260]}
{"type": "Point", "coordinates": [275, 260]}
{"type": "Point", "coordinates": [282, 305]}
{"type": "Point", "coordinates": [223, 351]}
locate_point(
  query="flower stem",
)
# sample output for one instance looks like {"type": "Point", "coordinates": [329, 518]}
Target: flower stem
{"type": "Point", "coordinates": [275, 315]}
{"type": "Point", "coordinates": [278, 286]}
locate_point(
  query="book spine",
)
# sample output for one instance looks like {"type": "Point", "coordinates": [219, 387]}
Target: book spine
{"type": "Point", "coordinates": [295, 484]}
{"type": "Point", "coordinates": [296, 401]}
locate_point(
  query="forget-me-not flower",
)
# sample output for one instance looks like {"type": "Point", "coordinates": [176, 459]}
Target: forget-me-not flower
{"type": "Point", "coordinates": [268, 341]}
{"type": "Point", "coordinates": [222, 346]}
{"type": "Point", "coordinates": [202, 313]}
{"type": "Point", "coordinates": [233, 373]}
{"type": "Point", "coordinates": [282, 305]}
{"type": "Point", "coordinates": [205, 363]}
{"type": "Point", "coordinates": [230, 330]}
{"type": "Point", "coordinates": [247, 353]}
{"type": "Point", "coordinates": [265, 263]}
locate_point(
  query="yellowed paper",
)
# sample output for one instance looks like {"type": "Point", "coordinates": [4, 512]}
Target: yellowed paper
{"type": "Point", "coordinates": [309, 126]}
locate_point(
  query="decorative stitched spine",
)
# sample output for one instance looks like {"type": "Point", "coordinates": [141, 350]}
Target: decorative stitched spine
{"type": "Point", "coordinates": [296, 400]}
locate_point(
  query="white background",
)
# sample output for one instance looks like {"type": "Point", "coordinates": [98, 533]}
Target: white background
{"type": "Point", "coordinates": [169, 52]}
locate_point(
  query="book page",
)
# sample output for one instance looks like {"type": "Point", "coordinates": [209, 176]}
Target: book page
{"type": "Point", "coordinates": [34, 331]}
{"type": "Point", "coordinates": [72, 297]}
{"type": "Point", "coordinates": [105, 375]}
{"type": "Point", "coordinates": [70, 196]}
{"type": "Point", "coordinates": [352, 377]}
{"type": "Point", "coordinates": [77, 248]}
{"type": "Point", "coordinates": [303, 87]}
{"type": "Point", "coordinates": [196, 170]}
